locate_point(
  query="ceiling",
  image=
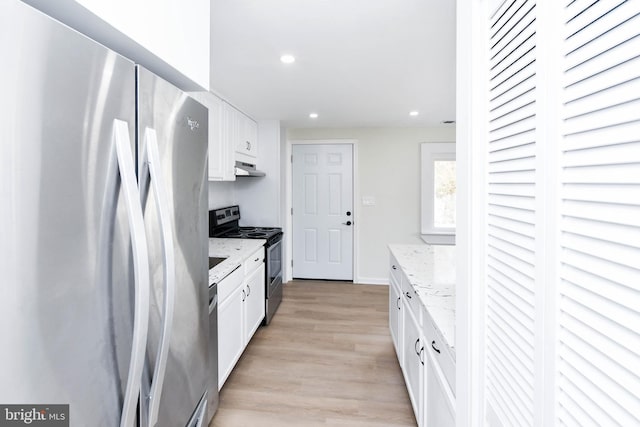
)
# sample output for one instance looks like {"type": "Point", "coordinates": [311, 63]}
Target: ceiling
{"type": "Point", "coordinates": [359, 63]}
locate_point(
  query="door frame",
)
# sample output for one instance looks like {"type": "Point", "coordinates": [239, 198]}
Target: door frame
{"type": "Point", "coordinates": [288, 223]}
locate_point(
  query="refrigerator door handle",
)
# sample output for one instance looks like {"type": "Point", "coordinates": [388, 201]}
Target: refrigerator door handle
{"type": "Point", "coordinates": [152, 160]}
{"type": "Point", "coordinates": [141, 270]}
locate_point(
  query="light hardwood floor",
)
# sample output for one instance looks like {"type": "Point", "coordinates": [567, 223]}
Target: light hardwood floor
{"type": "Point", "coordinates": [326, 359]}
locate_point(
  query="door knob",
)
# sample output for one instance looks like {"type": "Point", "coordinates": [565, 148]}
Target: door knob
{"type": "Point", "coordinates": [348, 213]}
{"type": "Point", "coordinates": [346, 223]}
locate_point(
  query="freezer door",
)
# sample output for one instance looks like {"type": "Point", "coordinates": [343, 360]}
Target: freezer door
{"type": "Point", "coordinates": [180, 127]}
{"type": "Point", "coordinates": [66, 302]}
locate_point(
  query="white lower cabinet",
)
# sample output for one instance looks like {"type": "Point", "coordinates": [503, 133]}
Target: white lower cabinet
{"type": "Point", "coordinates": [231, 336]}
{"type": "Point", "coordinates": [439, 410]}
{"type": "Point", "coordinates": [427, 367]}
{"type": "Point", "coordinates": [395, 315]}
{"type": "Point", "coordinates": [412, 364]}
{"type": "Point", "coordinates": [240, 312]}
{"type": "Point", "coordinates": [254, 302]}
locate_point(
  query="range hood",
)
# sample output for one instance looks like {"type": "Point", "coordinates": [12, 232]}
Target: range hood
{"type": "Point", "coordinates": [247, 169]}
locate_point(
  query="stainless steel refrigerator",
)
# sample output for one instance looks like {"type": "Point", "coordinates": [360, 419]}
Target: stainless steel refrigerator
{"type": "Point", "coordinates": [103, 232]}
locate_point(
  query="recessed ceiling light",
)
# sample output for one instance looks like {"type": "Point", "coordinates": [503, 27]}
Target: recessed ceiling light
{"type": "Point", "coordinates": [313, 115]}
{"type": "Point", "coordinates": [413, 113]}
{"type": "Point", "coordinates": [288, 59]}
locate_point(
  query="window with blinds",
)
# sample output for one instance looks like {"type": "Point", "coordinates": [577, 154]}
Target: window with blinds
{"type": "Point", "coordinates": [511, 211]}
{"type": "Point", "coordinates": [598, 368]}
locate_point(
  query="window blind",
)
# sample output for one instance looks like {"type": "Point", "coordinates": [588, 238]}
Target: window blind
{"type": "Point", "coordinates": [598, 368]}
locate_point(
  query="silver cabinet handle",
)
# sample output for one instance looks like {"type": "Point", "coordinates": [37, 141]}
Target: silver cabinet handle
{"type": "Point", "coordinates": [415, 347]}
{"type": "Point", "coordinates": [394, 267]}
{"type": "Point", "coordinates": [140, 270]}
{"type": "Point", "coordinates": [398, 303]}
{"type": "Point", "coordinates": [407, 295]}
{"type": "Point", "coordinates": [152, 167]}
{"type": "Point", "coordinates": [433, 346]}
{"type": "Point", "coordinates": [248, 145]}
{"type": "Point", "coordinates": [248, 290]}
{"type": "Point", "coordinates": [244, 295]}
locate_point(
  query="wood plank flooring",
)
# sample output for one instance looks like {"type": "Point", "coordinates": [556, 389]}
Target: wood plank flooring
{"type": "Point", "coordinates": [326, 359]}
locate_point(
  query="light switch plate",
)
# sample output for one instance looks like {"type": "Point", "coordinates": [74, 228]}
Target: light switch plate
{"type": "Point", "coordinates": [368, 201]}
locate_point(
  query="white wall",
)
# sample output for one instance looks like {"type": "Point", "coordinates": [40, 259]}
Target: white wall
{"type": "Point", "coordinates": [259, 197]}
{"type": "Point", "coordinates": [221, 194]}
{"type": "Point", "coordinates": [168, 37]}
{"type": "Point", "coordinates": [388, 170]}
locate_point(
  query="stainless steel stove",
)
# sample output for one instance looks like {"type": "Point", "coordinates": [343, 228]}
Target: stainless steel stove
{"type": "Point", "coordinates": [224, 223]}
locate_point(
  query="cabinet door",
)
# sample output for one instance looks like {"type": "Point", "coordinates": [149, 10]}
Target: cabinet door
{"type": "Point", "coordinates": [247, 138]}
{"type": "Point", "coordinates": [395, 316]}
{"type": "Point", "coordinates": [439, 410]}
{"type": "Point", "coordinates": [216, 135]}
{"type": "Point", "coordinates": [251, 137]}
{"type": "Point", "coordinates": [255, 302]}
{"type": "Point", "coordinates": [231, 118]}
{"type": "Point", "coordinates": [412, 363]}
{"type": "Point", "coordinates": [230, 333]}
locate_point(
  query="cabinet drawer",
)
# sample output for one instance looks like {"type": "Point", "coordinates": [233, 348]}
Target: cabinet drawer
{"type": "Point", "coordinates": [410, 298]}
{"type": "Point", "coordinates": [230, 283]}
{"type": "Point", "coordinates": [435, 344]}
{"type": "Point", "coordinates": [254, 261]}
{"type": "Point", "coordinates": [394, 268]}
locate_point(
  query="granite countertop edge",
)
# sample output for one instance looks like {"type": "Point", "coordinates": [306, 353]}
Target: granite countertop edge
{"type": "Point", "coordinates": [235, 250]}
{"type": "Point", "coordinates": [431, 271]}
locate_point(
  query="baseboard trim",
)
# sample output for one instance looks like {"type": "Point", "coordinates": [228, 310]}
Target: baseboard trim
{"type": "Point", "coordinates": [371, 281]}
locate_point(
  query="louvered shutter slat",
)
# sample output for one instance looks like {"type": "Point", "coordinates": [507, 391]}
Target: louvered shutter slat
{"type": "Point", "coordinates": [603, 212]}
{"type": "Point", "coordinates": [511, 168]}
{"type": "Point", "coordinates": [599, 305]}
{"type": "Point", "coordinates": [612, 95]}
{"type": "Point", "coordinates": [590, 26]}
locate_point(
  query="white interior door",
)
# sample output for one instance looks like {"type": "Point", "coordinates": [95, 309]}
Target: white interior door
{"type": "Point", "coordinates": [323, 211]}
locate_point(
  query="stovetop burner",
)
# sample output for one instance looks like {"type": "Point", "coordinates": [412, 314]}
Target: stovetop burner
{"type": "Point", "coordinates": [224, 223]}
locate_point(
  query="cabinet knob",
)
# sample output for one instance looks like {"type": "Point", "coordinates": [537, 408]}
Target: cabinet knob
{"type": "Point", "coordinates": [394, 267]}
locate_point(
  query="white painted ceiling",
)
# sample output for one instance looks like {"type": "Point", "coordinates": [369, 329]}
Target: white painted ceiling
{"type": "Point", "coordinates": [359, 63]}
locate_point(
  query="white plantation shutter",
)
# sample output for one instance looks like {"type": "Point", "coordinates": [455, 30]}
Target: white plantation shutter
{"type": "Point", "coordinates": [511, 212]}
{"type": "Point", "coordinates": [598, 368]}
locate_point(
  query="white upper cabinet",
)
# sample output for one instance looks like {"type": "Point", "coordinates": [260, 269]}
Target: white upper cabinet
{"type": "Point", "coordinates": [247, 138]}
{"type": "Point", "coordinates": [170, 38]}
{"type": "Point", "coordinates": [221, 154]}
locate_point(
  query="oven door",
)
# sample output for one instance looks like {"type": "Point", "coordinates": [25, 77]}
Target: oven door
{"type": "Point", "coordinates": [274, 263]}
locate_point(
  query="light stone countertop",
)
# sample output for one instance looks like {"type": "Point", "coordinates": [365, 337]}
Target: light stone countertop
{"type": "Point", "coordinates": [235, 250]}
{"type": "Point", "coordinates": [431, 270]}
